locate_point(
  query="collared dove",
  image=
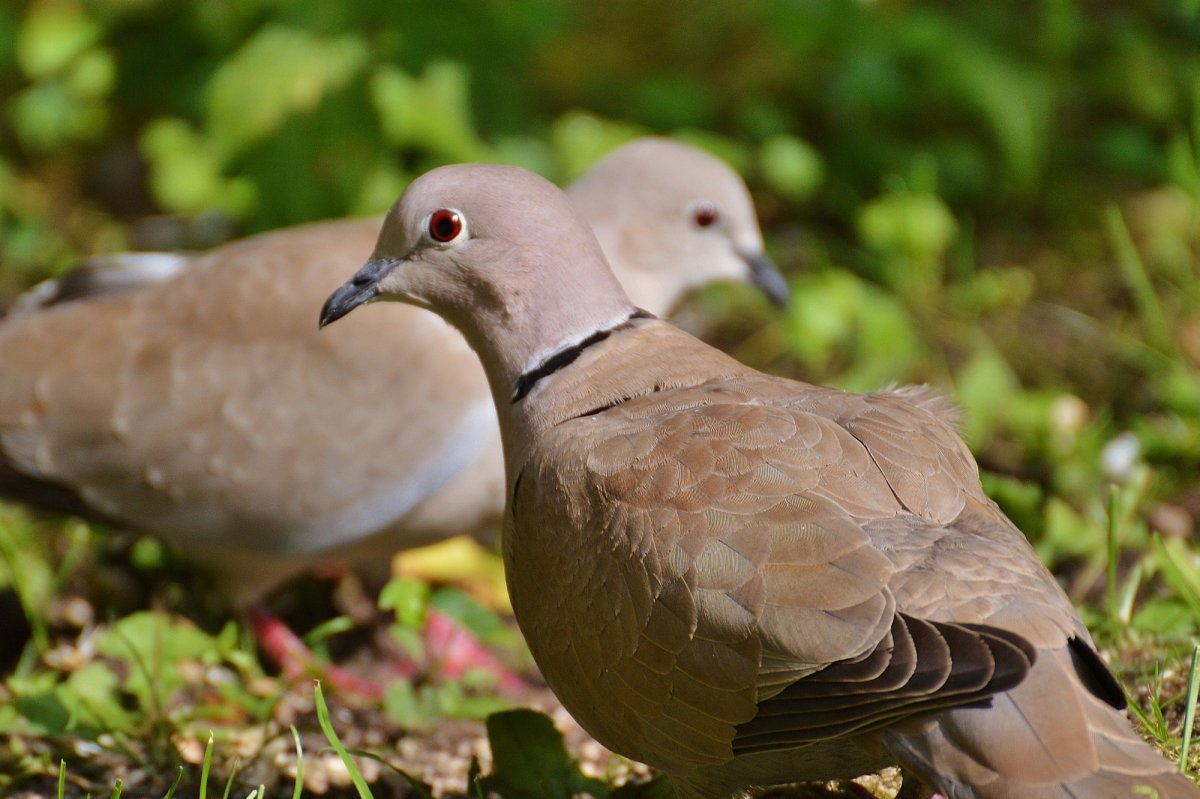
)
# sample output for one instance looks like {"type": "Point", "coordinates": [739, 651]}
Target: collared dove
{"type": "Point", "coordinates": [737, 578]}
{"type": "Point", "coordinates": [193, 399]}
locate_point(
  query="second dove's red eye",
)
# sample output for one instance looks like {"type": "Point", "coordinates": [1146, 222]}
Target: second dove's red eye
{"type": "Point", "coordinates": [444, 225]}
{"type": "Point", "coordinates": [705, 213]}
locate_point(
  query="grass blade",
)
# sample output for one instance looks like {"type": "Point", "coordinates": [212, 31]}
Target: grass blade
{"type": "Point", "coordinates": [175, 785]}
{"type": "Point", "coordinates": [299, 764]}
{"type": "Point", "coordinates": [206, 766]}
{"type": "Point", "coordinates": [1114, 550]}
{"type": "Point", "coordinates": [360, 784]}
{"type": "Point", "coordinates": [419, 788]}
{"type": "Point", "coordinates": [1137, 280]}
{"type": "Point", "coordinates": [229, 782]}
{"type": "Point", "coordinates": [1127, 596]}
{"type": "Point", "coordinates": [1189, 715]}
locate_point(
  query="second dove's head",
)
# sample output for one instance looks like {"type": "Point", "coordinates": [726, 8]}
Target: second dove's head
{"type": "Point", "coordinates": [672, 217]}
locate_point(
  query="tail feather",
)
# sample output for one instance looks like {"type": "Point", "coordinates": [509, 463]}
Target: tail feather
{"type": "Point", "coordinates": [1050, 737]}
{"type": "Point", "coordinates": [102, 275]}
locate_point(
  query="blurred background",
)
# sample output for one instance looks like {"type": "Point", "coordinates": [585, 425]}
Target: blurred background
{"type": "Point", "coordinates": [1000, 198]}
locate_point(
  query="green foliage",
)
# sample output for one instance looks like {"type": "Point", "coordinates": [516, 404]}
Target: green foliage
{"type": "Point", "coordinates": [419, 706]}
{"type": "Point", "coordinates": [791, 166]}
{"type": "Point", "coordinates": [530, 761]}
{"type": "Point", "coordinates": [72, 78]}
{"type": "Point", "coordinates": [836, 95]}
{"type": "Point", "coordinates": [422, 707]}
{"type": "Point", "coordinates": [910, 232]}
{"type": "Point", "coordinates": [161, 659]}
{"type": "Point", "coordinates": [292, 71]}
{"type": "Point", "coordinates": [859, 336]}
{"type": "Point", "coordinates": [430, 113]}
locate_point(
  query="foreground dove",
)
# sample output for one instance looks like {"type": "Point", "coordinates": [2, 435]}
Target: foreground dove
{"type": "Point", "coordinates": [193, 398]}
{"type": "Point", "coordinates": [736, 578]}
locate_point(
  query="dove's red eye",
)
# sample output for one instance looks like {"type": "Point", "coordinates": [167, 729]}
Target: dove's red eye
{"type": "Point", "coordinates": [444, 225]}
{"type": "Point", "coordinates": [705, 213]}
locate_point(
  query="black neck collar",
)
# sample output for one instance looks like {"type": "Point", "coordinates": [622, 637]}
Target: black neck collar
{"type": "Point", "coordinates": [567, 355]}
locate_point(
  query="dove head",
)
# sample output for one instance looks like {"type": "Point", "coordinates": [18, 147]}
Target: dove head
{"type": "Point", "coordinates": [671, 217]}
{"type": "Point", "coordinates": [499, 253]}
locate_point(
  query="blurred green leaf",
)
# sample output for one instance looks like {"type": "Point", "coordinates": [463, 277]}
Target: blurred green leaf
{"type": "Point", "coordinates": [473, 697]}
{"type": "Point", "coordinates": [911, 232]}
{"type": "Point", "coordinates": [1183, 162]}
{"type": "Point", "coordinates": [986, 387]}
{"type": "Point", "coordinates": [48, 713]}
{"type": "Point", "coordinates": [835, 316]}
{"type": "Point", "coordinates": [1179, 384]}
{"type": "Point", "coordinates": [430, 113]}
{"type": "Point", "coordinates": [917, 225]}
{"type": "Point", "coordinates": [381, 187]}
{"type": "Point", "coordinates": [991, 290]}
{"type": "Point", "coordinates": [822, 313]}
{"type": "Point", "coordinates": [483, 623]}
{"type": "Point", "coordinates": [527, 152]}
{"type": "Point", "coordinates": [530, 761]}
{"type": "Point", "coordinates": [51, 35]}
{"type": "Point", "coordinates": [279, 71]}
{"type": "Point", "coordinates": [731, 151]}
{"type": "Point", "coordinates": [673, 100]}
{"type": "Point", "coordinates": [791, 166]}
{"type": "Point", "coordinates": [1165, 617]}
{"type": "Point", "coordinates": [407, 598]}
{"type": "Point", "coordinates": [186, 174]}
{"type": "Point", "coordinates": [94, 690]}
{"type": "Point", "coordinates": [93, 75]}
{"type": "Point", "coordinates": [1020, 500]}
{"type": "Point", "coordinates": [580, 139]}
{"type": "Point", "coordinates": [152, 646]}
{"type": "Point", "coordinates": [1069, 534]}
{"type": "Point", "coordinates": [48, 115]}
{"type": "Point", "coordinates": [402, 706]}
{"type": "Point", "coordinates": [422, 707]}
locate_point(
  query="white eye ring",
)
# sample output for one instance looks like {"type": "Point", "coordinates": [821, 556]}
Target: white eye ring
{"type": "Point", "coordinates": [445, 227]}
{"type": "Point", "coordinates": [704, 213]}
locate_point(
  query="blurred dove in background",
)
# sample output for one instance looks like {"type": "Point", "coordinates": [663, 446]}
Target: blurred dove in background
{"type": "Point", "coordinates": [192, 397]}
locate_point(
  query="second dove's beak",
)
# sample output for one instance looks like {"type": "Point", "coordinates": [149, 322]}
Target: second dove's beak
{"type": "Point", "coordinates": [358, 290]}
{"type": "Point", "coordinates": [765, 275]}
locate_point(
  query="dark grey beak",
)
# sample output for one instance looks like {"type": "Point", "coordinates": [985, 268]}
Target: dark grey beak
{"type": "Point", "coordinates": [765, 275]}
{"type": "Point", "coordinates": [356, 291]}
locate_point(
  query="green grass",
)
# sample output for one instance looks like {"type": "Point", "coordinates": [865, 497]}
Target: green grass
{"type": "Point", "coordinates": [360, 785]}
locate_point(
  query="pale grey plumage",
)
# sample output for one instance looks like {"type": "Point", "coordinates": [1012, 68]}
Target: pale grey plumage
{"type": "Point", "coordinates": [200, 404]}
{"type": "Point", "coordinates": [740, 579]}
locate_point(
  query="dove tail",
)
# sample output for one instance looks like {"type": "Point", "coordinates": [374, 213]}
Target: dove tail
{"type": "Point", "coordinates": [1058, 735]}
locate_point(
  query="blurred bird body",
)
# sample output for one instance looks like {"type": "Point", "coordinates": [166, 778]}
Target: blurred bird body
{"type": "Point", "coordinates": [741, 579]}
{"type": "Point", "coordinates": [193, 398]}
